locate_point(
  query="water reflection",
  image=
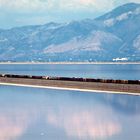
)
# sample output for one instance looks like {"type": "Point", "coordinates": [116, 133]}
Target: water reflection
{"type": "Point", "coordinates": [12, 124]}
{"type": "Point", "coordinates": [32, 114]}
{"type": "Point", "coordinates": [83, 124]}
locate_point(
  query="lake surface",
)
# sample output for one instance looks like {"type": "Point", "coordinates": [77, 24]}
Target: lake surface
{"type": "Point", "coordinates": [41, 114]}
{"type": "Point", "coordinates": [116, 71]}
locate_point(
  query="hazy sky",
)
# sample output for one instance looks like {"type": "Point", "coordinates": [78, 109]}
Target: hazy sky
{"type": "Point", "coordinates": [29, 12]}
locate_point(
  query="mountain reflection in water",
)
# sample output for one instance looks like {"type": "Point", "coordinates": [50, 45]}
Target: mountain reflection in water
{"type": "Point", "coordinates": [40, 114]}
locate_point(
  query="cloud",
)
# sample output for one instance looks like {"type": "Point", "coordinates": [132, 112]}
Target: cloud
{"type": "Point", "coordinates": [136, 1]}
{"type": "Point", "coordinates": [48, 5]}
{"type": "Point", "coordinates": [52, 4]}
{"type": "Point", "coordinates": [85, 4]}
{"type": "Point", "coordinates": [41, 11]}
{"type": "Point", "coordinates": [29, 5]}
{"type": "Point", "coordinates": [23, 5]}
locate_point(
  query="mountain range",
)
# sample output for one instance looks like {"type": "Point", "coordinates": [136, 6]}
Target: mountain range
{"type": "Point", "coordinates": [115, 36]}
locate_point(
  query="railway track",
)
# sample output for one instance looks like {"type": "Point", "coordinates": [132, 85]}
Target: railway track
{"type": "Point", "coordinates": [123, 86]}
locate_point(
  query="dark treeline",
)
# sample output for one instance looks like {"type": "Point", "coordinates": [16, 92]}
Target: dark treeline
{"type": "Point", "coordinates": [72, 79]}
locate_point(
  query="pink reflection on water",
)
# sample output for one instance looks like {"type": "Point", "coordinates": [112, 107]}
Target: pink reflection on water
{"type": "Point", "coordinates": [10, 129]}
{"type": "Point", "coordinates": [98, 123]}
{"type": "Point", "coordinates": [14, 124]}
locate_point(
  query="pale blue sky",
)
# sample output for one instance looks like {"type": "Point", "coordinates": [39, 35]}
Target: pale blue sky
{"type": "Point", "coordinates": [32, 12]}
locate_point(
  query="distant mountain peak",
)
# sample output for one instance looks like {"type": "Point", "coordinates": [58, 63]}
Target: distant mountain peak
{"type": "Point", "coordinates": [128, 7]}
{"type": "Point", "coordinates": [113, 35]}
{"type": "Point", "coordinates": [131, 4]}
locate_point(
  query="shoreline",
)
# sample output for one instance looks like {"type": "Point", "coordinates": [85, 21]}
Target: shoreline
{"type": "Point", "coordinates": [70, 89]}
{"type": "Point", "coordinates": [91, 85]}
{"type": "Point", "coordinates": [69, 63]}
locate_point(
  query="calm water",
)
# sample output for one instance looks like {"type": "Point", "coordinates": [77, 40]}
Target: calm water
{"type": "Point", "coordinates": [130, 72]}
{"type": "Point", "coordinates": [41, 114]}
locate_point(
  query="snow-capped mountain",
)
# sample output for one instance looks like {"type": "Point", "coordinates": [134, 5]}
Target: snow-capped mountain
{"type": "Point", "coordinates": [113, 36]}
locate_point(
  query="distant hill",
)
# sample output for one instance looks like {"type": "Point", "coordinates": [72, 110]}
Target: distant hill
{"type": "Point", "coordinates": [114, 36]}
